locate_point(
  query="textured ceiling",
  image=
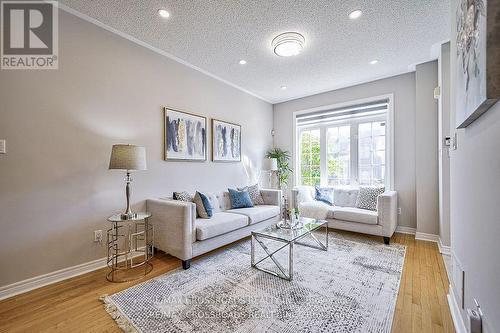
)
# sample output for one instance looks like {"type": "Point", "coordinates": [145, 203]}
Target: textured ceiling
{"type": "Point", "coordinates": [215, 35]}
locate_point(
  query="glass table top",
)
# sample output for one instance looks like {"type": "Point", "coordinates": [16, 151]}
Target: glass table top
{"type": "Point", "coordinates": [139, 216]}
{"type": "Point", "coordinates": [289, 235]}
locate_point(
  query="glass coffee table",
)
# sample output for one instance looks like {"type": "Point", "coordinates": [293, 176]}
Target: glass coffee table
{"type": "Point", "coordinates": [288, 237]}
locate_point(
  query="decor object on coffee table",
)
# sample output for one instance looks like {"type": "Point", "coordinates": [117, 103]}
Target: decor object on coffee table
{"type": "Point", "coordinates": [478, 59]}
{"type": "Point", "coordinates": [130, 243]}
{"type": "Point", "coordinates": [128, 158]}
{"type": "Point", "coordinates": [226, 141]}
{"type": "Point", "coordinates": [185, 136]}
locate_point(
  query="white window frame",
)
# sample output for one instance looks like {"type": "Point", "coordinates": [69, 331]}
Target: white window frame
{"type": "Point", "coordinates": [389, 137]}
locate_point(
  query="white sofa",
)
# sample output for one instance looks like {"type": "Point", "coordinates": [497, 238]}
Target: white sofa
{"type": "Point", "coordinates": [344, 215]}
{"type": "Point", "coordinates": [180, 233]}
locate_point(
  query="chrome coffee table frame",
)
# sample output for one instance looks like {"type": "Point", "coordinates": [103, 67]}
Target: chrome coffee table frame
{"type": "Point", "coordinates": [289, 237]}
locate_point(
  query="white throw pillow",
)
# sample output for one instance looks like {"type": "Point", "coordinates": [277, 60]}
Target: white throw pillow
{"type": "Point", "coordinates": [304, 194]}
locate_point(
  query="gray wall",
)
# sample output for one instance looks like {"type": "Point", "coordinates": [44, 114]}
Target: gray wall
{"type": "Point", "coordinates": [444, 157]}
{"type": "Point", "coordinates": [475, 205]}
{"type": "Point", "coordinates": [403, 88]}
{"type": "Point", "coordinates": [55, 188]}
{"type": "Point", "coordinates": [426, 168]}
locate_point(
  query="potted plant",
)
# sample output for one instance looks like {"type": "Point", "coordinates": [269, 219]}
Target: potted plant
{"type": "Point", "coordinates": [283, 160]}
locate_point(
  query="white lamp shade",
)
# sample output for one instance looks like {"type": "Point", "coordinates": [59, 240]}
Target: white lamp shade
{"type": "Point", "coordinates": [274, 164]}
{"type": "Point", "coordinates": [128, 157]}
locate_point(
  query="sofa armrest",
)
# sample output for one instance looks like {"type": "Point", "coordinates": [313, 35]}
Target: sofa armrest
{"type": "Point", "coordinates": [271, 197]}
{"type": "Point", "coordinates": [387, 208]}
{"type": "Point", "coordinates": [174, 223]}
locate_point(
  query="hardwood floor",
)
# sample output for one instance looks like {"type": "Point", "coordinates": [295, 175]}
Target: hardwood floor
{"type": "Point", "coordinates": [73, 306]}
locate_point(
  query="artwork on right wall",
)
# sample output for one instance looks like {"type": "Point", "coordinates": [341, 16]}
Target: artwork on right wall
{"type": "Point", "coordinates": [478, 59]}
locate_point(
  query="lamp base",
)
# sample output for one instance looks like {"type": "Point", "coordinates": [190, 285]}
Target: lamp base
{"type": "Point", "coordinates": [128, 216]}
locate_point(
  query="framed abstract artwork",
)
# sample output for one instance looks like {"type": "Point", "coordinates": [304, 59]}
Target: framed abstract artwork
{"type": "Point", "coordinates": [226, 141]}
{"type": "Point", "coordinates": [185, 136]}
{"type": "Point", "coordinates": [478, 59]}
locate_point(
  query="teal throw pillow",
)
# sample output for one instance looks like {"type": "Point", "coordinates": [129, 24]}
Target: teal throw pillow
{"type": "Point", "coordinates": [324, 194]}
{"type": "Point", "coordinates": [240, 199]}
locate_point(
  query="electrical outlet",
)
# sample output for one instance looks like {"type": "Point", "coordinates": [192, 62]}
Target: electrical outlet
{"type": "Point", "coordinates": [399, 211]}
{"type": "Point", "coordinates": [98, 236]}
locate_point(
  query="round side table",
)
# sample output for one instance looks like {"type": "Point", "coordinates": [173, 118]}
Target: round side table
{"type": "Point", "coordinates": [130, 247]}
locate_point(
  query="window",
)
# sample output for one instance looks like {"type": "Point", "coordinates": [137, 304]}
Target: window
{"type": "Point", "coordinates": [338, 146]}
{"type": "Point", "coordinates": [344, 146]}
{"type": "Point", "coordinates": [371, 153]}
{"type": "Point", "coordinates": [310, 157]}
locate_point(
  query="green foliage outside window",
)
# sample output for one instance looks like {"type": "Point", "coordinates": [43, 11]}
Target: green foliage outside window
{"type": "Point", "coordinates": [310, 159]}
{"type": "Point", "coordinates": [310, 171]}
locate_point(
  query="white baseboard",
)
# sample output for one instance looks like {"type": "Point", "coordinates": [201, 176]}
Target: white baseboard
{"type": "Point", "coordinates": [406, 230]}
{"type": "Point", "coordinates": [53, 277]}
{"type": "Point", "coordinates": [443, 249]}
{"type": "Point", "coordinates": [49, 278]}
{"type": "Point", "coordinates": [458, 321]}
{"type": "Point", "coordinates": [419, 235]}
{"type": "Point", "coordinates": [426, 237]}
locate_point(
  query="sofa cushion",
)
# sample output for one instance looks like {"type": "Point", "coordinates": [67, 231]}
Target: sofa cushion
{"type": "Point", "coordinates": [367, 197]}
{"type": "Point", "coordinates": [259, 213]}
{"type": "Point", "coordinates": [316, 210]}
{"type": "Point", "coordinates": [220, 201]}
{"type": "Point", "coordinates": [220, 223]}
{"type": "Point", "coordinates": [303, 194]}
{"type": "Point", "coordinates": [182, 196]}
{"type": "Point", "coordinates": [240, 199]}
{"type": "Point", "coordinates": [324, 194]}
{"type": "Point", "coordinates": [204, 208]}
{"type": "Point", "coordinates": [254, 193]}
{"type": "Point", "coordinates": [353, 214]}
{"type": "Point", "coordinates": [345, 196]}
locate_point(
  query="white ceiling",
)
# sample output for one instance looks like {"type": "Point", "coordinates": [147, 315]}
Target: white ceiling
{"type": "Point", "coordinates": [214, 35]}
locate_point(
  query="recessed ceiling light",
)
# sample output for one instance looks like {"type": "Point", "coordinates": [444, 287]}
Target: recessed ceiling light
{"type": "Point", "coordinates": [163, 13]}
{"type": "Point", "coordinates": [374, 62]}
{"type": "Point", "coordinates": [355, 14]}
{"type": "Point", "coordinates": [283, 87]}
{"type": "Point", "coordinates": [288, 44]}
{"type": "Point", "coordinates": [243, 62]}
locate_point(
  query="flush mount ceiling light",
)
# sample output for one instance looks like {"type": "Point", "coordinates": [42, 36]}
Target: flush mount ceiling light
{"type": "Point", "coordinates": [243, 62]}
{"type": "Point", "coordinates": [374, 62]}
{"type": "Point", "coordinates": [355, 14]}
{"type": "Point", "coordinates": [163, 13]}
{"type": "Point", "coordinates": [283, 87]}
{"type": "Point", "coordinates": [288, 44]}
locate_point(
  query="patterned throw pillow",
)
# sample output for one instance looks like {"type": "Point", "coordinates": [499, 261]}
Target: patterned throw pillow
{"type": "Point", "coordinates": [324, 194]}
{"type": "Point", "coordinates": [203, 206]}
{"type": "Point", "coordinates": [254, 193]}
{"type": "Point", "coordinates": [183, 196]}
{"type": "Point", "coordinates": [239, 199]}
{"type": "Point", "coordinates": [367, 197]}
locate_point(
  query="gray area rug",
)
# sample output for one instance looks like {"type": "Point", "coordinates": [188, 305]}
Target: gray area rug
{"type": "Point", "coordinates": [352, 287]}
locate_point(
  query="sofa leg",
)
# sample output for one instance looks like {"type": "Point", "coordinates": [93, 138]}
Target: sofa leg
{"type": "Point", "coordinates": [186, 264]}
{"type": "Point", "coordinates": [387, 240]}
